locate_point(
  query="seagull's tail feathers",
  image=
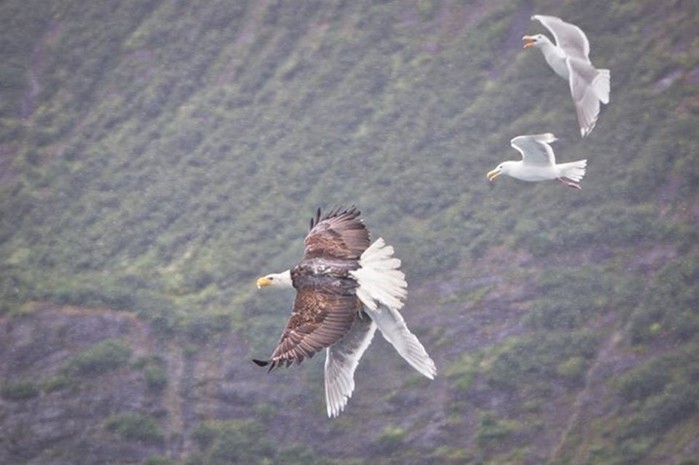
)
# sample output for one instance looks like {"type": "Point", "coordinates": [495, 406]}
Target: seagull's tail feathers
{"type": "Point", "coordinates": [574, 170]}
{"type": "Point", "coordinates": [601, 84]}
{"type": "Point", "coordinates": [381, 282]}
{"type": "Point", "coordinates": [394, 330]}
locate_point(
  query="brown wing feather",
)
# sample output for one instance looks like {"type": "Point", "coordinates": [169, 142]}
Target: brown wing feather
{"type": "Point", "coordinates": [319, 320]}
{"type": "Point", "coordinates": [339, 234]}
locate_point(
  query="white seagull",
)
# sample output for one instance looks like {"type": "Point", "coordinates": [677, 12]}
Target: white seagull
{"type": "Point", "coordinates": [539, 163]}
{"type": "Point", "coordinates": [569, 59]}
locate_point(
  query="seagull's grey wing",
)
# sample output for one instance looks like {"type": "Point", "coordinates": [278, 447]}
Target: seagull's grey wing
{"type": "Point", "coordinates": [587, 105]}
{"type": "Point", "coordinates": [535, 149]}
{"type": "Point", "coordinates": [341, 361]}
{"type": "Point", "coordinates": [394, 330]}
{"type": "Point", "coordinates": [568, 36]}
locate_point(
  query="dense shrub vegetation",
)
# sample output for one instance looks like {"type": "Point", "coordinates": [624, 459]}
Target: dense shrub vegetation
{"type": "Point", "coordinates": [156, 157]}
{"type": "Point", "coordinates": [102, 357]}
{"type": "Point", "coordinates": [135, 427]}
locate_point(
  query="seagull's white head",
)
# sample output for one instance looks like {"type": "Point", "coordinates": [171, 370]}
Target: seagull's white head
{"type": "Point", "coordinates": [538, 40]}
{"type": "Point", "coordinates": [502, 168]}
{"type": "Point", "coordinates": [275, 280]}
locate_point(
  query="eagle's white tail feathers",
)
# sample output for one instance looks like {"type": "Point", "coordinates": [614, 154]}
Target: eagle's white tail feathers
{"type": "Point", "coordinates": [394, 330]}
{"type": "Point", "coordinates": [601, 84]}
{"type": "Point", "coordinates": [382, 289]}
{"type": "Point", "coordinates": [379, 276]}
{"type": "Point", "coordinates": [574, 170]}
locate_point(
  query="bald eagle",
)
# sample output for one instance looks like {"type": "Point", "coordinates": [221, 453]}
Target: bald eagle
{"type": "Point", "coordinates": [345, 289]}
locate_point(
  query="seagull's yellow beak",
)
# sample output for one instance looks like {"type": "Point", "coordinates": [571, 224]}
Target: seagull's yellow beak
{"type": "Point", "coordinates": [263, 282]}
{"type": "Point", "coordinates": [529, 41]}
{"type": "Point", "coordinates": [491, 175]}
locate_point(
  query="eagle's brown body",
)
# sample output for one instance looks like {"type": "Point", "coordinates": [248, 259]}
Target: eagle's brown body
{"type": "Point", "coordinates": [326, 304]}
{"type": "Point", "coordinates": [346, 289]}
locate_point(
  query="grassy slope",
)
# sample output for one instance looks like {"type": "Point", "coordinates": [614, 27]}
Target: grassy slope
{"type": "Point", "coordinates": [166, 157]}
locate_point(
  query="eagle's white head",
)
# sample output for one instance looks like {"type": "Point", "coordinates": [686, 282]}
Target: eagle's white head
{"type": "Point", "coordinates": [276, 280]}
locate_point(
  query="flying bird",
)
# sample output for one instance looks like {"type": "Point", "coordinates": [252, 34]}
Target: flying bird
{"type": "Point", "coordinates": [539, 163]}
{"type": "Point", "coordinates": [569, 59]}
{"type": "Point", "coordinates": [345, 289]}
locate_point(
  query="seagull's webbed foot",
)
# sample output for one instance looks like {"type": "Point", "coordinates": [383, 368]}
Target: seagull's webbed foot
{"type": "Point", "coordinates": [569, 183]}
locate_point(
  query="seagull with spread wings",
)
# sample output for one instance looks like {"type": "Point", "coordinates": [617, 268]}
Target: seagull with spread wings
{"type": "Point", "coordinates": [538, 162]}
{"type": "Point", "coordinates": [569, 58]}
{"type": "Point", "coordinates": [345, 289]}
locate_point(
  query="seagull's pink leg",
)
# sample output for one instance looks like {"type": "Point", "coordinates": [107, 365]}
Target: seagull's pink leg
{"type": "Point", "coordinates": [570, 183]}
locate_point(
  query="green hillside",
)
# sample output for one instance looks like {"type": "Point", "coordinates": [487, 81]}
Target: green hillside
{"type": "Point", "coordinates": [158, 156]}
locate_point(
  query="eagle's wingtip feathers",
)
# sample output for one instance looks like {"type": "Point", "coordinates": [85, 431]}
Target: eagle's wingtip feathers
{"type": "Point", "coordinates": [352, 212]}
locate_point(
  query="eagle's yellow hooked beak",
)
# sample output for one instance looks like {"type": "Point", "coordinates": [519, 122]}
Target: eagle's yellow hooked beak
{"type": "Point", "coordinates": [263, 282]}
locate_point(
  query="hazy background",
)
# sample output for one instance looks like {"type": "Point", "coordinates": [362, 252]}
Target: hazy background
{"type": "Point", "coordinates": [158, 156]}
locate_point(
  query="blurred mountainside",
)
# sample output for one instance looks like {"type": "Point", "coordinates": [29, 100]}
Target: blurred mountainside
{"type": "Point", "coordinates": [157, 156]}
